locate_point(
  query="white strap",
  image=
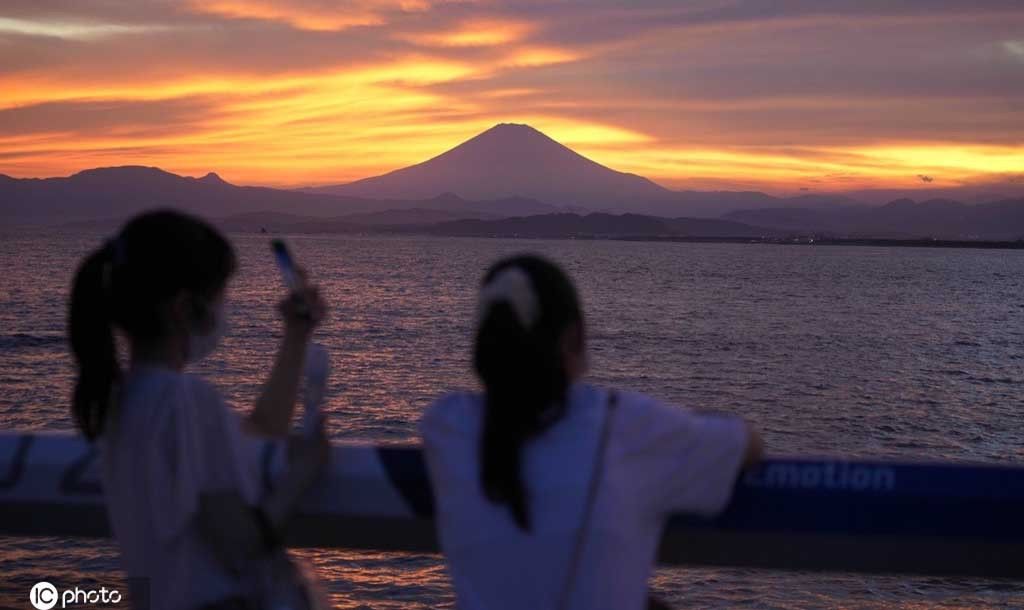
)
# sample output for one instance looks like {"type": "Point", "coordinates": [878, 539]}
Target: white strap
{"type": "Point", "coordinates": [588, 508]}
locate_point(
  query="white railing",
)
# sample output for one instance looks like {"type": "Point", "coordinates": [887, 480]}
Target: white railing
{"type": "Point", "coordinates": [838, 515]}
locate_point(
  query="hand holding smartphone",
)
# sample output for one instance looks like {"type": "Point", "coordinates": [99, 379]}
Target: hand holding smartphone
{"type": "Point", "coordinates": [316, 361]}
{"type": "Point", "coordinates": [293, 280]}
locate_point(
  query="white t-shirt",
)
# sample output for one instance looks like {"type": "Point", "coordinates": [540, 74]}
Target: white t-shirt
{"type": "Point", "coordinates": [659, 460]}
{"type": "Point", "coordinates": [171, 438]}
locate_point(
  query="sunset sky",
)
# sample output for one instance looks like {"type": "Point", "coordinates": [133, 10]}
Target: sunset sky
{"type": "Point", "coordinates": [779, 96]}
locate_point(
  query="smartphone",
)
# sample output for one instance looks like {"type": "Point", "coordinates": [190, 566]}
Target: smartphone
{"type": "Point", "coordinates": [289, 274]}
{"type": "Point", "coordinates": [286, 264]}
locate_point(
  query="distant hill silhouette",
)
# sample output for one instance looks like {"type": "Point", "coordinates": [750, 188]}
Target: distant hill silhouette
{"type": "Point", "coordinates": [602, 225]}
{"type": "Point", "coordinates": [116, 193]}
{"type": "Point", "coordinates": [561, 225]}
{"type": "Point", "coordinates": [997, 190]}
{"type": "Point", "coordinates": [119, 192]}
{"type": "Point", "coordinates": [414, 216]}
{"type": "Point", "coordinates": [903, 218]}
{"type": "Point", "coordinates": [349, 223]}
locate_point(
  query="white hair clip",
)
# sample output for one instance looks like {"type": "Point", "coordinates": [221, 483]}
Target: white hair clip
{"type": "Point", "coordinates": [511, 285]}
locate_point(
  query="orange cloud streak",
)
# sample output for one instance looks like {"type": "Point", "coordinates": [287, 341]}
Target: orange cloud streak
{"type": "Point", "coordinates": [342, 17]}
{"type": "Point", "coordinates": [474, 33]}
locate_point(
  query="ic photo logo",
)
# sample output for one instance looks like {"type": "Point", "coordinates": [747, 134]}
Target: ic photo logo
{"type": "Point", "coordinates": [45, 596]}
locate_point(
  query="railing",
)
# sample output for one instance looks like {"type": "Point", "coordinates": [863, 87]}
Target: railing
{"type": "Point", "coordinates": [939, 519]}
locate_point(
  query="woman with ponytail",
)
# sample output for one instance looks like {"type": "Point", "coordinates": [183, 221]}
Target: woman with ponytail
{"type": "Point", "coordinates": [180, 474]}
{"type": "Point", "coordinates": [552, 493]}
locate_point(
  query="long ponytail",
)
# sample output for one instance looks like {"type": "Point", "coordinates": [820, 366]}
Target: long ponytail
{"type": "Point", "coordinates": [125, 285]}
{"type": "Point", "coordinates": [91, 332]}
{"type": "Point", "coordinates": [521, 365]}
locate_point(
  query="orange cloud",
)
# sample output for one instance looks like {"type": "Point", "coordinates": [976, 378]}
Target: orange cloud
{"type": "Point", "coordinates": [473, 33]}
{"type": "Point", "coordinates": [529, 57]}
{"type": "Point", "coordinates": [830, 169]}
{"type": "Point", "coordinates": [323, 17]}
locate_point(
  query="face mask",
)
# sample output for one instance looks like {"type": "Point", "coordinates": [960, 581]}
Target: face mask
{"type": "Point", "coordinates": [201, 345]}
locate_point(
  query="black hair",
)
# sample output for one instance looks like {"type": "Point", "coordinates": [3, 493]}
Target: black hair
{"type": "Point", "coordinates": [124, 284]}
{"type": "Point", "coordinates": [524, 377]}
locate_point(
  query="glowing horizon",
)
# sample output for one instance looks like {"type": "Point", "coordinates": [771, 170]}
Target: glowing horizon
{"type": "Point", "coordinates": [707, 95]}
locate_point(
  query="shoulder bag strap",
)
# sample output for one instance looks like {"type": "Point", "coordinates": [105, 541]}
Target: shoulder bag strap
{"type": "Point", "coordinates": [588, 508]}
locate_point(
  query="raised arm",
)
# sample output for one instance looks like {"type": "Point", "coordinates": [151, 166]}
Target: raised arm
{"type": "Point", "coordinates": [272, 414]}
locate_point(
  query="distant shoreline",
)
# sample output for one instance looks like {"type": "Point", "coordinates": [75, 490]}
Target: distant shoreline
{"type": "Point", "coordinates": [882, 242]}
{"type": "Point", "coordinates": [778, 241]}
{"type": "Point", "coordinates": [794, 241]}
{"type": "Point", "coordinates": [917, 243]}
{"type": "Point", "coordinates": [370, 230]}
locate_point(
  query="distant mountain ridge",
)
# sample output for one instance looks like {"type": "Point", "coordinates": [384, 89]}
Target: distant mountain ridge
{"type": "Point", "coordinates": [903, 218]}
{"type": "Point", "coordinates": [601, 224]}
{"type": "Point", "coordinates": [557, 225]}
{"type": "Point", "coordinates": [507, 171]}
{"type": "Point", "coordinates": [120, 192]}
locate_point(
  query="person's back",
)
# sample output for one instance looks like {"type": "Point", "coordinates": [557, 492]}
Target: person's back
{"type": "Point", "coordinates": [170, 438]}
{"type": "Point", "coordinates": [551, 548]}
